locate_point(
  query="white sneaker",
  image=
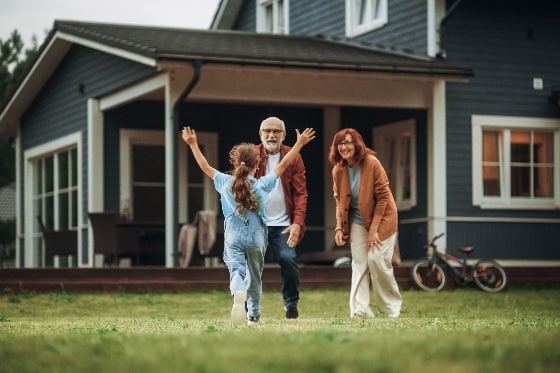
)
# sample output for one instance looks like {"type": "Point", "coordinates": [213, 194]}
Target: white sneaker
{"type": "Point", "coordinates": [253, 321]}
{"type": "Point", "coordinates": [393, 315]}
{"type": "Point", "coordinates": [238, 313]}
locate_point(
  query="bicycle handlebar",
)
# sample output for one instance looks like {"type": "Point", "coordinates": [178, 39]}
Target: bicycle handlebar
{"type": "Point", "coordinates": [437, 237]}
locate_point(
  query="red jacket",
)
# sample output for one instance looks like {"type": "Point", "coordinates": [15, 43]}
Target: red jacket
{"type": "Point", "coordinates": [294, 183]}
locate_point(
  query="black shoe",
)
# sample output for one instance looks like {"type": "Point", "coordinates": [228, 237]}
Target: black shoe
{"type": "Point", "coordinates": [291, 312]}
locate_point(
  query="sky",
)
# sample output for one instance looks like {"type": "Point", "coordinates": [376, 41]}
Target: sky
{"type": "Point", "coordinates": [36, 17]}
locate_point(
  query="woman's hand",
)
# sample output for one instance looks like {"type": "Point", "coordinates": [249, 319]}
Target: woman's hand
{"type": "Point", "coordinates": [189, 136]}
{"type": "Point", "coordinates": [339, 238]}
{"type": "Point", "coordinates": [374, 242]}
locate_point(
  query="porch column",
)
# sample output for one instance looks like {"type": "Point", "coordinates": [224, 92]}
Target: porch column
{"type": "Point", "coordinates": [331, 125]}
{"type": "Point", "coordinates": [437, 173]}
{"type": "Point", "coordinates": [96, 174]}
{"type": "Point", "coordinates": [171, 93]}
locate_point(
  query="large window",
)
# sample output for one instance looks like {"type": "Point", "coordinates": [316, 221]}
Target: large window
{"type": "Point", "coordinates": [365, 15]}
{"type": "Point", "coordinates": [515, 162]}
{"type": "Point", "coordinates": [272, 16]}
{"type": "Point", "coordinates": [52, 190]}
{"type": "Point", "coordinates": [395, 144]}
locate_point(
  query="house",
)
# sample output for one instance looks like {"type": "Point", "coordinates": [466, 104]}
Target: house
{"type": "Point", "coordinates": [96, 119]}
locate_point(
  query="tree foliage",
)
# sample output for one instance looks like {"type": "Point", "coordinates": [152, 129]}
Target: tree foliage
{"type": "Point", "coordinates": [13, 60]}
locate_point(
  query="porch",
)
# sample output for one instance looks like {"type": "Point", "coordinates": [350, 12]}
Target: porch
{"type": "Point", "coordinates": [160, 279]}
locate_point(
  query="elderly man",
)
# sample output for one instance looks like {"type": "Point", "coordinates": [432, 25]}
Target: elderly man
{"type": "Point", "coordinates": [286, 208]}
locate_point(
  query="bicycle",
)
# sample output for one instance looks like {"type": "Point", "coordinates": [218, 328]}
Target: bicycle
{"type": "Point", "coordinates": [429, 274]}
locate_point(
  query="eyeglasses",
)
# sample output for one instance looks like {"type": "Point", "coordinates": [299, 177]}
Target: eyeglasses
{"type": "Point", "coordinates": [345, 143]}
{"type": "Point", "coordinates": [268, 131]}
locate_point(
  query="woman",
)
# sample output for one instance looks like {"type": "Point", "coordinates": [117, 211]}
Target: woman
{"type": "Point", "coordinates": [243, 201]}
{"type": "Point", "coordinates": [366, 214]}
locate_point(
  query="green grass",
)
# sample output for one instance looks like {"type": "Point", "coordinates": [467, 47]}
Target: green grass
{"type": "Point", "coordinates": [464, 330]}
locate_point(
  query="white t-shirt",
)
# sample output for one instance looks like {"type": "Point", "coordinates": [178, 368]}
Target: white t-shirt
{"type": "Point", "coordinates": [276, 209]}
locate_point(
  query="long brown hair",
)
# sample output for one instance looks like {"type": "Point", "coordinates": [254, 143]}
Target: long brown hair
{"type": "Point", "coordinates": [361, 151]}
{"type": "Point", "coordinates": [243, 157]}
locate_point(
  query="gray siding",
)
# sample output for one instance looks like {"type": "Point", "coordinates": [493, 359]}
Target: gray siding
{"type": "Point", "coordinates": [506, 50]}
{"type": "Point", "coordinates": [405, 30]}
{"type": "Point", "coordinates": [310, 17]}
{"type": "Point", "coordinates": [526, 241]}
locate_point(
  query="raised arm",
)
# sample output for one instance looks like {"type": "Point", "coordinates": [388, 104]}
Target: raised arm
{"type": "Point", "coordinates": [189, 137]}
{"type": "Point", "coordinates": [302, 139]}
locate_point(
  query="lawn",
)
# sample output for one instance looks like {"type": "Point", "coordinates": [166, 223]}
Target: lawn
{"type": "Point", "coordinates": [463, 330]}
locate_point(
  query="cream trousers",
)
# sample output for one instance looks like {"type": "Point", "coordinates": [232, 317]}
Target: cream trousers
{"type": "Point", "coordinates": [373, 267]}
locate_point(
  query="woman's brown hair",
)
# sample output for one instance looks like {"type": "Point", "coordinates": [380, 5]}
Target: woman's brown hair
{"type": "Point", "coordinates": [243, 157]}
{"type": "Point", "coordinates": [361, 151]}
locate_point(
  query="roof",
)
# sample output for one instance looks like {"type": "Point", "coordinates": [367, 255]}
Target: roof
{"type": "Point", "coordinates": [156, 44]}
{"type": "Point", "coordinates": [256, 48]}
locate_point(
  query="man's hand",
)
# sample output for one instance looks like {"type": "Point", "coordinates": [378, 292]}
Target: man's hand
{"type": "Point", "coordinates": [293, 230]}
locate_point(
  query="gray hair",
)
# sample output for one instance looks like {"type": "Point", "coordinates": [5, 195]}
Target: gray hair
{"type": "Point", "coordinates": [275, 119]}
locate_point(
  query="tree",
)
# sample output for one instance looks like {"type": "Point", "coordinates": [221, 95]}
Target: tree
{"type": "Point", "coordinates": [13, 60]}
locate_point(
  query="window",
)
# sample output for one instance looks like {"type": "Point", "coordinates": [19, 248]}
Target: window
{"type": "Point", "coordinates": [52, 191]}
{"type": "Point", "coordinates": [365, 15]}
{"type": "Point", "coordinates": [515, 162]}
{"type": "Point", "coordinates": [272, 16]}
{"type": "Point", "coordinates": [395, 144]}
{"type": "Point", "coordinates": [143, 175]}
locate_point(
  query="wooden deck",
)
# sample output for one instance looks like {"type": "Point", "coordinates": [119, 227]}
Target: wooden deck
{"type": "Point", "coordinates": [159, 279]}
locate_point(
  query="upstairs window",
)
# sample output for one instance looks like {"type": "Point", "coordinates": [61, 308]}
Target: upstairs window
{"type": "Point", "coordinates": [515, 162]}
{"type": "Point", "coordinates": [272, 16]}
{"type": "Point", "coordinates": [365, 15]}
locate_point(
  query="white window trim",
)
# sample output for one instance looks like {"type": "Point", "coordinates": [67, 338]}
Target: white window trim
{"type": "Point", "coordinates": [129, 137]}
{"type": "Point", "coordinates": [261, 16]}
{"type": "Point", "coordinates": [31, 258]}
{"type": "Point", "coordinates": [395, 130]}
{"type": "Point", "coordinates": [353, 29]}
{"type": "Point", "coordinates": [482, 122]}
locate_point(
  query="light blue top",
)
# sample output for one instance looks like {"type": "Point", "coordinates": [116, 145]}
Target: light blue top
{"type": "Point", "coordinates": [260, 188]}
{"type": "Point", "coordinates": [355, 174]}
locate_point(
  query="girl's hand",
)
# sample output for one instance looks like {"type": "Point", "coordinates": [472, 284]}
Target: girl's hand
{"type": "Point", "coordinates": [306, 136]}
{"type": "Point", "coordinates": [189, 136]}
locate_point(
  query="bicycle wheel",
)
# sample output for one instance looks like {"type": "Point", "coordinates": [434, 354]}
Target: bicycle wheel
{"type": "Point", "coordinates": [428, 276]}
{"type": "Point", "coordinates": [489, 276]}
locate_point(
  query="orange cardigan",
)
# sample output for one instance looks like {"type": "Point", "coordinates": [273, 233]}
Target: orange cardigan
{"type": "Point", "coordinates": [376, 202]}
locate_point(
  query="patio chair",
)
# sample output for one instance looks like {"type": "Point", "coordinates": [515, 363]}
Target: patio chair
{"type": "Point", "coordinates": [111, 241]}
{"type": "Point", "coordinates": [58, 243]}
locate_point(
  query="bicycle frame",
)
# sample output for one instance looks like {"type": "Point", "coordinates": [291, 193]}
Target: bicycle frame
{"type": "Point", "coordinates": [460, 270]}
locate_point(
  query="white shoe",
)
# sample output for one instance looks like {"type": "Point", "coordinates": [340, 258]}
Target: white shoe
{"type": "Point", "coordinates": [393, 315]}
{"type": "Point", "coordinates": [253, 321]}
{"type": "Point", "coordinates": [238, 313]}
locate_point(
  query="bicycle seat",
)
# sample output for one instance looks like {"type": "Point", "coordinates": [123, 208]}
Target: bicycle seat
{"type": "Point", "coordinates": [466, 250]}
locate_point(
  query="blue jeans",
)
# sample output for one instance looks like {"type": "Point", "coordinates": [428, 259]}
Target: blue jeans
{"type": "Point", "coordinates": [289, 268]}
{"type": "Point", "coordinates": [244, 249]}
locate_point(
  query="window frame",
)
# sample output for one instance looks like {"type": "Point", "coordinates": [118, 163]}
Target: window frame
{"type": "Point", "coordinates": [481, 123]}
{"type": "Point", "coordinates": [395, 131]}
{"type": "Point", "coordinates": [262, 21]}
{"type": "Point", "coordinates": [353, 28]}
